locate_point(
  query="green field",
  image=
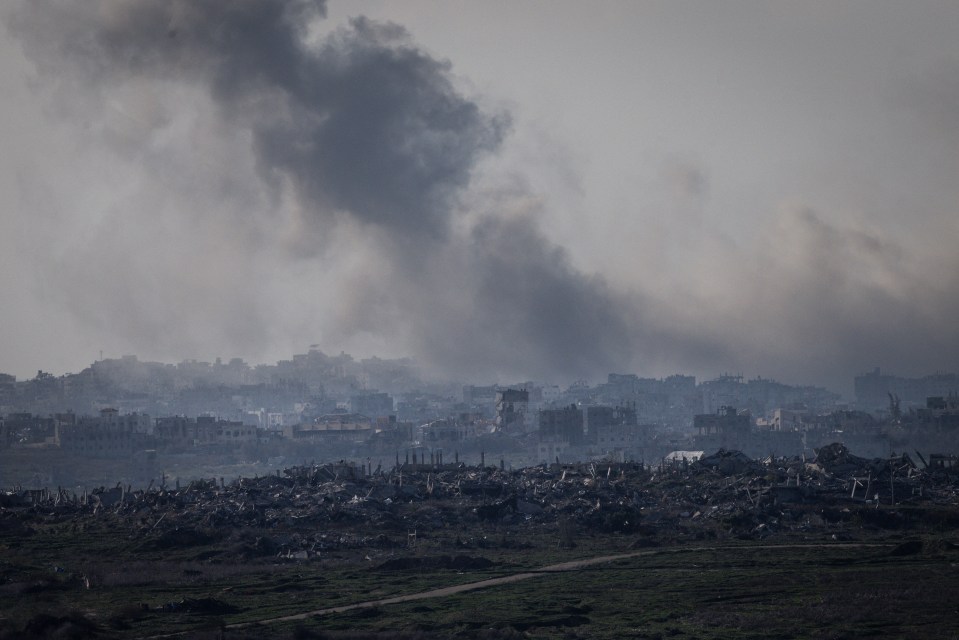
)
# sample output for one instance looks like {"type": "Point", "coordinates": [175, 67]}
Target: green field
{"type": "Point", "coordinates": [93, 579]}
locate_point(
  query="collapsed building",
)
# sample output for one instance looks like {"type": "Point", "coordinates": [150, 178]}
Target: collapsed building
{"type": "Point", "coordinates": [512, 406]}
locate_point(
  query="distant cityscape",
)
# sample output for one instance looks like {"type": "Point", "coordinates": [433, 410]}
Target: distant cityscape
{"type": "Point", "coordinates": [129, 421]}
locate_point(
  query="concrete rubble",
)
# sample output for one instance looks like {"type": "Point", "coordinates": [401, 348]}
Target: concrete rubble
{"type": "Point", "coordinates": [310, 510]}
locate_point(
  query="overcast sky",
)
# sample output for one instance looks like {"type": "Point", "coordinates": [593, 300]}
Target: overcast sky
{"type": "Point", "coordinates": [547, 190]}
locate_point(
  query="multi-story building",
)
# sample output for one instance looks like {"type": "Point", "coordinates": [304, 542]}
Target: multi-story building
{"type": "Point", "coordinates": [333, 428]}
{"type": "Point", "coordinates": [512, 406]}
{"type": "Point", "coordinates": [180, 432]}
{"type": "Point", "coordinates": [110, 434]}
{"type": "Point", "coordinates": [565, 425]}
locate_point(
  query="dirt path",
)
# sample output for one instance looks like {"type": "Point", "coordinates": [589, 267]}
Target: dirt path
{"type": "Point", "coordinates": [517, 577]}
{"type": "Point", "coordinates": [446, 591]}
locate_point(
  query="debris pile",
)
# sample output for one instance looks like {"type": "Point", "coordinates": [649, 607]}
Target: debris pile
{"type": "Point", "coordinates": [307, 511]}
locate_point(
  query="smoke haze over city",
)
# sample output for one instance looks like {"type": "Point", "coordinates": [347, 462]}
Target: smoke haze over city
{"type": "Point", "coordinates": [544, 190]}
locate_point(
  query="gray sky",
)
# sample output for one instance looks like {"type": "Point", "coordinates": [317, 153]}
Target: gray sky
{"type": "Point", "coordinates": [542, 189]}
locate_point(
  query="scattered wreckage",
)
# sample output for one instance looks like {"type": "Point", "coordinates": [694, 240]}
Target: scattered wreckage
{"type": "Point", "coordinates": [306, 511]}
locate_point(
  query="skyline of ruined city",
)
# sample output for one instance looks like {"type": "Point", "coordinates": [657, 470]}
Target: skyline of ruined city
{"type": "Point", "coordinates": [418, 375]}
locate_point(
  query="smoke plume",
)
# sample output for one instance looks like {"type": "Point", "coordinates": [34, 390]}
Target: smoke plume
{"type": "Point", "coordinates": [213, 177]}
{"type": "Point", "coordinates": [357, 138]}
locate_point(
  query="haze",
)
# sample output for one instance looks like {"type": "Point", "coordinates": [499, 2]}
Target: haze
{"type": "Point", "coordinates": [537, 190]}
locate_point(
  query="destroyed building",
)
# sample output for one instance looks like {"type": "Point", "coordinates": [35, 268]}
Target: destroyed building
{"type": "Point", "coordinates": [23, 428]}
{"type": "Point", "coordinates": [942, 413]}
{"type": "Point", "coordinates": [600, 416]}
{"type": "Point", "coordinates": [178, 432]}
{"type": "Point", "coordinates": [511, 410]}
{"type": "Point", "coordinates": [109, 434]}
{"type": "Point", "coordinates": [727, 428]}
{"type": "Point", "coordinates": [615, 429]}
{"type": "Point", "coordinates": [564, 424]}
{"type": "Point", "coordinates": [446, 432]}
{"type": "Point", "coordinates": [726, 421]}
{"type": "Point", "coordinates": [335, 428]}
{"type": "Point", "coordinates": [389, 435]}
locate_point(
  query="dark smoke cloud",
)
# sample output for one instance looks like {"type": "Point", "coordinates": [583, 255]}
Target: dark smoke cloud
{"type": "Point", "coordinates": [380, 132]}
{"type": "Point", "coordinates": [364, 130]}
{"type": "Point", "coordinates": [523, 308]}
{"type": "Point", "coordinates": [246, 184]}
{"type": "Point", "coordinates": [364, 123]}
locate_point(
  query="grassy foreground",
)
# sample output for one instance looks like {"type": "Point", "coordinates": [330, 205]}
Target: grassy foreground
{"type": "Point", "coordinates": [740, 592]}
{"type": "Point", "coordinates": [66, 581]}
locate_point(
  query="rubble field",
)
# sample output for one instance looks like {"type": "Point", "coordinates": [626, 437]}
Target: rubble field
{"type": "Point", "coordinates": [125, 562]}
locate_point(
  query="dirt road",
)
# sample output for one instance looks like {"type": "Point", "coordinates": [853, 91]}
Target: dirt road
{"type": "Point", "coordinates": [447, 591]}
{"type": "Point", "coordinates": [516, 577]}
